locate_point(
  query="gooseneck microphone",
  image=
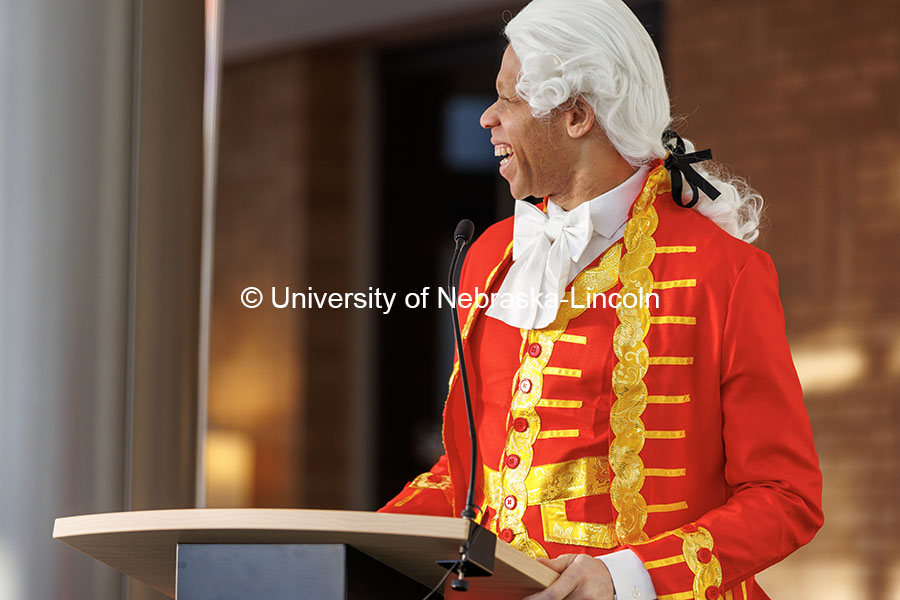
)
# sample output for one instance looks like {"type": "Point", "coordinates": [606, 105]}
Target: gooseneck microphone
{"type": "Point", "coordinates": [476, 555]}
{"type": "Point", "coordinates": [464, 231]}
{"type": "Point", "coordinates": [462, 236]}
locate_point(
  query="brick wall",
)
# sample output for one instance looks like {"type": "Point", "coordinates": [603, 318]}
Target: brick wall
{"type": "Point", "coordinates": [332, 248]}
{"type": "Point", "coordinates": [257, 356]}
{"type": "Point", "coordinates": [802, 96]}
{"type": "Point", "coordinates": [285, 217]}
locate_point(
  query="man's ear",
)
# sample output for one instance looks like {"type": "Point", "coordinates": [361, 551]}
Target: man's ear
{"type": "Point", "coordinates": [579, 118]}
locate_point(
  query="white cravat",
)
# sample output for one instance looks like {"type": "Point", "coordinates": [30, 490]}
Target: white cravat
{"type": "Point", "coordinates": [544, 249]}
{"type": "Point", "coordinates": [550, 250]}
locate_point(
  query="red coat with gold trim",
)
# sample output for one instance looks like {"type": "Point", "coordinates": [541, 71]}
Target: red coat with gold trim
{"type": "Point", "coordinates": [675, 427]}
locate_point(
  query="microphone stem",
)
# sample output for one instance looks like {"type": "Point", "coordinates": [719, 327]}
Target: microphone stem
{"type": "Point", "coordinates": [469, 510]}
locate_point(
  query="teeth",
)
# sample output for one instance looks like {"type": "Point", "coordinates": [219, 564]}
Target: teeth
{"type": "Point", "coordinates": [504, 161]}
{"type": "Point", "coordinates": [502, 150]}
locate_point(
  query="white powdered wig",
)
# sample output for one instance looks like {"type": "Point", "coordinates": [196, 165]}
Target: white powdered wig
{"type": "Point", "coordinates": [599, 50]}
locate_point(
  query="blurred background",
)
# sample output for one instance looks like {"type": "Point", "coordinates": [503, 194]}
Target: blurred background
{"type": "Point", "coordinates": [156, 158]}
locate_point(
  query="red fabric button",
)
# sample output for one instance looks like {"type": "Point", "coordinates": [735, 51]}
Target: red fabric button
{"type": "Point", "coordinates": [512, 461]}
{"type": "Point", "coordinates": [534, 350]}
{"type": "Point", "coordinates": [689, 528]}
{"type": "Point", "coordinates": [510, 502]}
{"type": "Point", "coordinates": [704, 555]}
{"type": "Point", "coordinates": [712, 592]}
{"type": "Point", "coordinates": [520, 424]}
{"type": "Point", "coordinates": [525, 386]}
{"type": "Point", "coordinates": [507, 535]}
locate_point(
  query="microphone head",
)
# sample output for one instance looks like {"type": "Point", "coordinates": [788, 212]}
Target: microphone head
{"type": "Point", "coordinates": [464, 230]}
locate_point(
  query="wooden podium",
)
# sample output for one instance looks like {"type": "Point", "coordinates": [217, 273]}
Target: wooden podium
{"type": "Point", "coordinates": [145, 545]}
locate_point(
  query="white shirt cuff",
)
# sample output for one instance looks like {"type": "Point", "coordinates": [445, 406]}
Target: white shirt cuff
{"type": "Point", "coordinates": [630, 578]}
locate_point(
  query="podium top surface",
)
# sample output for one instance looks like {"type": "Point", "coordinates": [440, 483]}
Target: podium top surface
{"type": "Point", "coordinates": [142, 544]}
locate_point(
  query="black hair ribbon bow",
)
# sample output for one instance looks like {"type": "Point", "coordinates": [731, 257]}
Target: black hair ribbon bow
{"type": "Point", "coordinates": [678, 164]}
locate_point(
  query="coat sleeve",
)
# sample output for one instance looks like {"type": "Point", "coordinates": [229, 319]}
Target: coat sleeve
{"type": "Point", "coordinates": [428, 494]}
{"type": "Point", "coordinates": [771, 465]}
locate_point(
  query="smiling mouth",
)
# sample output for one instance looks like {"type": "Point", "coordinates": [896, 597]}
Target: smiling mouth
{"type": "Point", "coordinates": [504, 151]}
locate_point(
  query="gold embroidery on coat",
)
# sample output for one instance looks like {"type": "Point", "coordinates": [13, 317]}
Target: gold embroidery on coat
{"type": "Point", "coordinates": [558, 528]}
{"type": "Point", "coordinates": [558, 433]}
{"type": "Point", "coordinates": [671, 360]}
{"type": "Point", "coordinates": [675, 249]}
{"type": "Point", "coordinates": [492, 489]}
{"type": "Point", "coordinates": [658, 536]}
{"type": "Point", "coordinates": [403, 501]}
{"type": "Point", "coordinates": [522, 347]}
{"type": "Point", "coordinates": [648, 472]}
{"type": "Point", "coordinates": [524, 400]}
{"type": "Point", "coordinates": [562, 372]}
{"type": "Point", "coordinates": [532, 547]}
{"type": "Point", "coordinates": [669, 399]}
{"type": "Point", "coordinates": [676, 283]}
{"type": "Point", "coordinates": [548, 403]}
{"type": "Point", "coordinates": [674, 506]}
{"type": "Point", "coordinates": [520, 443]}
{"type": "Point", "coordinates": [658, 434]}
{"type": "Point", "coordinates": [573, 339]}
{"type": "Point", "coordinates": [673, 320]}
{"type": "Point", "coordinates": [664, 562]}
{"type": "Point", "coordinates": [425, 482]}
{"type": "Point", "coordinates": [706, 574]}
{"type": "Point", "coordinates": [428, 481]}
{"type": "Point", "coordinates": [633, 360]}
{"type": "Point", "coordinates": [566, 480]}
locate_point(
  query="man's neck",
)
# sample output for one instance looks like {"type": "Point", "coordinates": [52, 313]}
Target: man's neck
{"type": "Point", "coordinates": [594, 176]}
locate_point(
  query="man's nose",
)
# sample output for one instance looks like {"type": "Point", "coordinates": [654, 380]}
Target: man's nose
{"type": "Point", "coordinates": [488, 117]}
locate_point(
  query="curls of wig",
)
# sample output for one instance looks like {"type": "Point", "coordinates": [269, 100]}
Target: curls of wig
{"type": "Point", "coordinates": [600, 51]}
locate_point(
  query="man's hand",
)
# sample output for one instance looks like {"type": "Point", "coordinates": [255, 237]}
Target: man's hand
{"type": "Point", "coordinates": [582, 577]}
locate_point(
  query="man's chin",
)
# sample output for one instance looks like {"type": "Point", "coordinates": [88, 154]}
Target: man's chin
{"type": "Point", "coordinates": [525, 196]}
{"type": "Point", "coordinates": [517, 194]}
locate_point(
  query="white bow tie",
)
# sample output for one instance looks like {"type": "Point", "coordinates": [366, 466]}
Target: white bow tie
{"type": "Point", "coordinates": [544, 250]}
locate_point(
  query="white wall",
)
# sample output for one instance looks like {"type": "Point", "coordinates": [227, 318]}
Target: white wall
{"type": "Point", "coordinates": [100, 206]}
{"type": "Point", "coordinates": [65, 122]}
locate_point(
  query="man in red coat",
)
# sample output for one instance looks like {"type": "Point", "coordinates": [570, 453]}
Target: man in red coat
{"type": "Point", "coordinates": [641, 408]}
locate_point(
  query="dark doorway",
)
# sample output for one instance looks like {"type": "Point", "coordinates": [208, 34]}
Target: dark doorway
{"type": "Point", "coordinates": [437, 167]}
